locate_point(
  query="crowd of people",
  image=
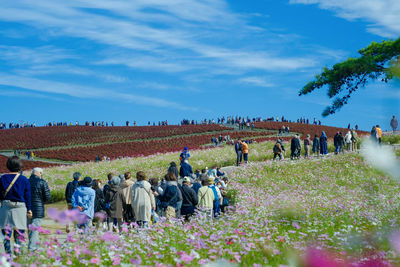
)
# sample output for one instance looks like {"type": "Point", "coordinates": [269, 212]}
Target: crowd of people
{"type": "Point", "coordinates": [180, 193]}
{"type": "Point", "coordinates": [316, 146]}
{"type": "Point", "coordinates": [136, 201]}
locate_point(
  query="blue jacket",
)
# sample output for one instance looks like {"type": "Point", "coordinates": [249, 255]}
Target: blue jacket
{"type": "Point", "coordinates": [84, 197]}
{"type": "Point", "coordinates": [19, 192]}
{"type": "Point", "coordinates": [170, 197]}
{"type": "Point", "coordinates": [186, 170]}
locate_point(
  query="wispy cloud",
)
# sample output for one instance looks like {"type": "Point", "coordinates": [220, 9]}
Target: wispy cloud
{"type": "Point", "coordinates": [181, 44]}
{"type": "Point", "coordinates": [256, 81]}
{"type": "Point", "coordinates": [384, 14]}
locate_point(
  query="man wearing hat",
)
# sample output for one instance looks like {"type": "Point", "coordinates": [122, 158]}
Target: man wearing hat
{"type": "Point", "coordinates": [83, 200]}
{"type": "Point", "coordinates": [40, 194]}
{"type": "Point", "coordinates": [189, 198]}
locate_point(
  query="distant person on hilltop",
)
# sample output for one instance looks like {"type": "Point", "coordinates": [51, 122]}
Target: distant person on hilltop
{"type": "Point", "coordinates": [323, 141]}
{"type": "Point", "coordinates": [394, 123]}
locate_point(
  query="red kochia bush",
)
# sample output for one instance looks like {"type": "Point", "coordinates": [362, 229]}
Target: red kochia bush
{"type": "Point", "coordinates": [140, 148]}
{"type": "Point", "coordinates": [27, 164]}
{"type": "Point", "coordinates": [46, 137]}
{"type": "Point", "coordinates": [304, 128]}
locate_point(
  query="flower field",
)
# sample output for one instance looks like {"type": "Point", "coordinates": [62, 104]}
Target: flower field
{"type": "Point", "coordinates": [334, 211]}
{"type": "Point", "coordinates": [304, 128]}
{"type": "Point", "coordinates": [46, 137]}
{"type": "Point", "coordinates": [142, 147]}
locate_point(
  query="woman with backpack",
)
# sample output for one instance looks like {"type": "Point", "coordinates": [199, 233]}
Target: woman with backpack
{"type": "Point", "coordinates": [277, 149]}
{"type": "Point", "coordinates": [171, 196]}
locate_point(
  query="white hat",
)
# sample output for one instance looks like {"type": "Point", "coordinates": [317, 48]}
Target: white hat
{"type": "Point", "coordinates": [37, 169]}
{"type": "Point", "coordinates": [187, 179]}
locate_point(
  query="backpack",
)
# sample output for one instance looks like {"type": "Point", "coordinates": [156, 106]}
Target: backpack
{"type": "Point", "coordinates": [277, 148]}
{"type": "Point", "coordinates": [216, 198]}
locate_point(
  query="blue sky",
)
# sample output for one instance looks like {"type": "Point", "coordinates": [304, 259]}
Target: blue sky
{"type": "Point", "coordinates": [151, 60]}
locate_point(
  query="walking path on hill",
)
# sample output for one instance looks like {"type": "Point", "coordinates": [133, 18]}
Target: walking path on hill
{"type": "Point", "coordinates": [11, 153]}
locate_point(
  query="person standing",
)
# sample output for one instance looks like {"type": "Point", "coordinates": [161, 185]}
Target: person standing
{"type": "Point", "coordinates": [295, 147]}
{"type": "Point", "coordinates": [379, 133]}
{"type": "Point", "coordinates": [186, 169]}
{"type": "Point", "coordinates": [245, 151]}
{"type": "Point", "coordinates": [277, 149]}
{"type": "Point", "coordinates": [347, 140]}
{"type": "Point", "coordinates": [69, 191]}
{"type": "Point", "coordinates": [315, 145]}
{"type": "Point", "coordinates": [173, 168]}
{"type": "Point", "coordinates": [374, 134]}
{"type": "Point", "coordinates": [116, 200]}
{"type": "Point", "coordinates": [394, 123]}
{"type": "Point", "coordinates": [189, 199]}
{"type": "Point", "coordinates": [126, 187]}
{"type": "Point", "coordinates": [323, 141]}
{"type": "Point", "coordinates": [336, 142]}
{"type": "Point", "coordinates": [206, 199]}
{"type": "Point", "coordinates": [15, 197]}
{"type": "Point", "coordinates": [341, 142]}
{"type": "Point", "coordinates": [83, 200]}
{"type": "Point", "coordinates": [185, 155]}
{"type": "Point", "coordinates": [307, 143]}
{"type": "Point", "coordinates": [238, 150]}
{"type": "Point", "coordinates": [354, 140]}
{"type": "Point", "coordinates": [40, 194]}
{"type": "Point", "coordinates": [171, 199]}
{"type": "Point", "coordinates": [142, 200]}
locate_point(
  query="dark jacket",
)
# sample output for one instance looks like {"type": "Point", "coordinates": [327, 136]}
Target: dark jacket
{"type": "Point", "coordinates": [99, 200]}
{"type": "Point", "coordinates": [69, 191]}
{"type": "Point", "coordinates": [117, 201]}
{"type": "Point", "coordinates": [295, 144]}
{"type": "Point", "coordinates": [170, 197]}
{"type": "Point", "coordinates": [186, 170]}
{"type": "Point", "coordinates": [336, 140]}
{"type": "Point", "coordinates": [189, 196]}
{"type": "Point", "coordinates": [196, 186]}
{"type": "Point", "coordinates": [238, 147]}
{"type": "Point", "coordinates": [40, 194]}
{"type": "Point", "coordinates": [315, 146]}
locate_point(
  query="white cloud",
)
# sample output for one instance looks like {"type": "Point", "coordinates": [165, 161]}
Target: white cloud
{"type": "Point", "coordinates": [257, 81]}
{"type": "Point", "coordinates": [181, 44]}
{"type": "Point", "coordinates": [384, 14]}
